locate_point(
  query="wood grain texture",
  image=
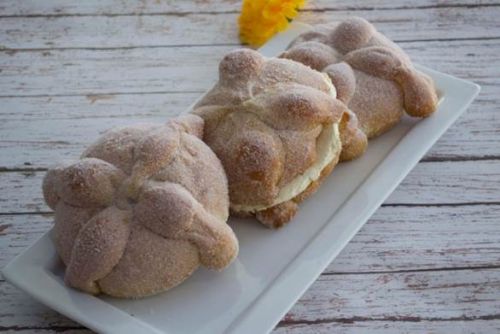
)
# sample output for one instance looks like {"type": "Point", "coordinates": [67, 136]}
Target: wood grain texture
{"type": "Point", "coordinates": [76, 329]}
{"type": "Point", "coordinates": [427, 261]}
{"type": "Point", "coordinates": [21, 311]}
{"type": "Point", "coordinates": [79, 119]}
{"type": "Point", "coordinates": [202, 29]}
{"type": "Point", "coordinates": [430, 238]}
{"type": "Point", "coordinates": [118, 31]}
{"type": "Point", "coordinates": [188, 69]}
{"type": "Point", "coordinates": [128, 7]}
{"type": "Point", "coordinates": [454, 295]}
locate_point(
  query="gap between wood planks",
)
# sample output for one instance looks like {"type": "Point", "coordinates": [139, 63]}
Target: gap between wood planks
{"type": "Point", "coordinates": [282, 324]}
{"type": "Point", "coordinates": [12, 51]}
{"type": "Point", "coordinates": [57, 329]}
{"type": "Point", "coordinates": [389, 205]}
{"type": "Point", "coordinates": [424, 160]}
{"type": "Point", "coordinates": [403, 271]}
{"type": "Point", "coordinates": [352, 320]}
{"type": "Point", "coordinates": [162, 92]}
{"type": "Point", "coordinates": [211, 12]}
{"type": "Point", "coordinates": [156, 31]}
{"type": "Point", "coordinates": [286, 323]}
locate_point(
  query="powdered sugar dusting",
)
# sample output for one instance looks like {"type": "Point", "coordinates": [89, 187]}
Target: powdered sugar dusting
{"type": "Point", "coordinates": [263, 122]}
{"type": "Point", "coordinates": [386, 83]}
{"type": "Point", "coordinates": [143, 208]}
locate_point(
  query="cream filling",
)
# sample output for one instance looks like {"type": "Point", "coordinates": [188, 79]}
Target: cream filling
{"type": "Point", "coordinates": [327, 148]}
{"type": "Point", "coordinates": [331, 87]}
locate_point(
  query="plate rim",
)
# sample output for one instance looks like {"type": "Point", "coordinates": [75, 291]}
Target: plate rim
{"type": "Point", "coordinates": [285, 298]}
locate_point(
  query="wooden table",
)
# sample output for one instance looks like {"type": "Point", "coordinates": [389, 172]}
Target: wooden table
{"type": "Point", "coordinates": [428, 260]}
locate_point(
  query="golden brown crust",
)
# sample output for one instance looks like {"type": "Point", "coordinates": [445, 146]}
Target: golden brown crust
{"type": "Point", "coordinates": [354, 141]}
{"type": "Point", "coordinates": [263, 119]}
{"type": "Point", "coordinates": [278, 215]}
{"type": "Point", "coordinates": [144, 207]}
{"type": "Point", "coordinates": [377, 103]}
{"type": "Point", "coordinates": [318, 55]}
{"type": "Point", "coordinates": [386, 81]}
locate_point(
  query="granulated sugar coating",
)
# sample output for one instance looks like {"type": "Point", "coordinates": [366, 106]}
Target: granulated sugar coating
{"type": "Point", "coordinates": [386, 83]}
{"type": "Point", "coordinates": [274, 125]}
{"type": "Point", "coordinates": [144, 207]}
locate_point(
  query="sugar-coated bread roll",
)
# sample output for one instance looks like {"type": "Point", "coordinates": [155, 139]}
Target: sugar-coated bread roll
{"type": "Point", "coordinates": [277, 127]}
{"type": "Point", "coordinates": [142, 209]}
{"type": "Point", "coordinates": [385, 82]}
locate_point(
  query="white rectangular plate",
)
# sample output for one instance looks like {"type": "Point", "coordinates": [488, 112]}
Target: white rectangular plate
{"type": "Point", "coordinates": [274, 268]}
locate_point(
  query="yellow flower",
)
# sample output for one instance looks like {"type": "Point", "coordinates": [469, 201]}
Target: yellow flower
{"type": "Point", "coordinates": [261, 19]}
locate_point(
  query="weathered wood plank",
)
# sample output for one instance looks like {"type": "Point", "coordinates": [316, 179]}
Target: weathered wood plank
{"type": "Point", "coordinates": [117, 31]}
{"type": "Point", "coordinates": [41, 330]}
{"type": "Point", "coordinates": [416, 238]}
{"type": "Point", "coordinates": [20, 231]}
{"type": "Point", "coordinates": [450, 183]}
{"type": "Point", "coordinates": [426, 296]}
{"type": "Point", "coordinates": [196, 29]}
{"type": "Point", "coordinates": [113, 7]}
{"type": "Point", "coordinates": [121, 106]}
{"type": "Point", "coordinates": [475, 132]}
{"type": "Point", "coordinates": [20, 310]}
{"type": "Point", "coordinates": [40, 131]}
{"type": "Point", "coordinates": [181, 69]}
{"type": "Point", "coordinates": [177, 69]}
{"type": "Point", "coordinates": [429, 183]}
{"type": "Point", "coordinates": [394, 239]}
{"type": "Point", "coordinates": [21, 192]}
